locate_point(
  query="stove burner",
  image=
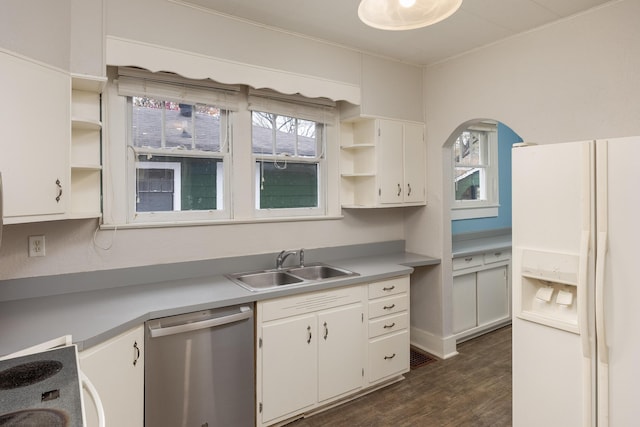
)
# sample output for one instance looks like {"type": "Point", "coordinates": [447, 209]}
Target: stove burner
{"type": "Point", "coordinates": [28, 373]}
{"type": "Point", "coordinates": [34, 417]}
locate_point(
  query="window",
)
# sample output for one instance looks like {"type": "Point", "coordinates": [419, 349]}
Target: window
{"type": "Point", "coordinates": [288, 156]}
{"type": "Point", "coordinates": [180, 152]}
{"type": "Point", "coordinates": [193, 151]}
{"type": "Point", "coordinates": [475, 172]}
{"type": "Point", "coordinates": [178, 138]}
{"type": "Point", "coordinates": [288, 145]}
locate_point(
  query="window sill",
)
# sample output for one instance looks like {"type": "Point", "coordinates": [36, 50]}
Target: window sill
{"type": "Point", "coordinates": [473, 213]}
{"type": "Point", "coordinates": [169, 224]}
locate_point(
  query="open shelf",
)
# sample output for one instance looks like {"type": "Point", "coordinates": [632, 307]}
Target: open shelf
{"type": "Point", "coordinates": [86, 146]}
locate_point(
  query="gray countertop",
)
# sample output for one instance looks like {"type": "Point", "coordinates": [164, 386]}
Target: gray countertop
{"type": "Point", "coordinates": [470, 246]}
{"type": "Point", "coordinates": [94, 316]}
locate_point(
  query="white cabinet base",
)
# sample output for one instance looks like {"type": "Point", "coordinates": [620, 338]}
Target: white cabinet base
{"type": "Point", "coordinates": [481, 294]}
{"type": "Point", "coordinates": [320, 349]}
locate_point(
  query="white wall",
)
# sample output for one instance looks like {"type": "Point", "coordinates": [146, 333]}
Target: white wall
{"type": "Point", "coordinates": [39, 29]}
{"type": "Point", "coordinates": [572, 80]}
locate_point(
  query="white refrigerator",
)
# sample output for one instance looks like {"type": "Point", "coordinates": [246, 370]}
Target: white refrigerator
{"type": "Point", "coordinates": [576, 284]}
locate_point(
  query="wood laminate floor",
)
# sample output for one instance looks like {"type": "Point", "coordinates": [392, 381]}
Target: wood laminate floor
{"type": "Point", "coordinates": [472, 389]}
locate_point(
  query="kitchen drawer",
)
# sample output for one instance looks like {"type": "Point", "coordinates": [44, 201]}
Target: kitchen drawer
{"type": "Point", "coordinates": [497, 256]}
{"type": "Point", "coordinates": [467, 262]}
{"type": "Point", "coordinates": [389, 305]}
{"type": "Point", "coordinates": [388, 324]}
{"type": "Point", "coordinates": [388, 287]}
{"type": "Point", "coordinates": [309, 302]}
{"type": "Point", "coordinates": [388, 355]}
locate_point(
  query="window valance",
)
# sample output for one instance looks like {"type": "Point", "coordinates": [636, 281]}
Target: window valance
{"type": "Point", "coordinates": [130, 53]}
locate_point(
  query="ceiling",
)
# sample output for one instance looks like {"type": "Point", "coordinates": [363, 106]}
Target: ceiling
{"type": "Point", "coordinates": [476, 23]}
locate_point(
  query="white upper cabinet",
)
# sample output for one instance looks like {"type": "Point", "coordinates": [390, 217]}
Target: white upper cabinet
{"type": "Point", "coordinates": [35, 119]}
{"type": "Point", "coordinates": [383, 163]}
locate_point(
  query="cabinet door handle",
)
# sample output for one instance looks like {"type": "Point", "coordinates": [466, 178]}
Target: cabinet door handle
{"type": "Point", "coordinates": [389, 326]}
{"type": "Point", "coordinates": [389, 289]}
{"type": "Point", "coordinates": [389, 307]}
{"type": "Point", "coordinates": [59, 196]}
{"type": "Point", "coordinates": [390, 357]}
{"type": "Point", "coordinates": [137, 350]}
{"type": "Point", "coordinates": [309, 332]}
{"type": "Point", "coordinates": [326, 331]}
{"type": "Point", "coordinates": [399, 190]}
{"type": "Point", "coordinates": [408, 189]}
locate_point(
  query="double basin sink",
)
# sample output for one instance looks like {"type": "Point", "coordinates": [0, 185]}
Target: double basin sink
{"type": "Point", "coordinates": [276, 278]}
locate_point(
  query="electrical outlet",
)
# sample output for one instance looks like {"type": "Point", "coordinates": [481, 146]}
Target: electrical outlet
{"type": "Point", "coordinates": [36, 246]}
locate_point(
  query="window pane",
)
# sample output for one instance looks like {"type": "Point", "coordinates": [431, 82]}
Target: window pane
{"type": "Point", "coordinates": [470, 149]}
{"type": "Point", "coordinates": [285, 135]}
{"type": "Point", "coordinates": [146, 122]}
{"type": "Point", "coordinates": [274, 134]}
{"type": "Point", "coordinates": [166, 183]}
{"type": "Point", "coordinates": [288, 185]}
{"type": "Point", "coordinates": [307, 138]}
{"type": "Point", "coordinates": [165, 124]}
{"type": "Point", "coordinates": [469, 184]}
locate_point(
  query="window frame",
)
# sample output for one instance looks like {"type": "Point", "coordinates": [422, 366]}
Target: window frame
{"type": "Point", "coordinates": [319, 160]}
{"type": "Point", "coordinates": [178, 216]}
{"type": "Point", "coordinates": [479, 208]}
{"type": "Point", "coordinates": [319, 110]}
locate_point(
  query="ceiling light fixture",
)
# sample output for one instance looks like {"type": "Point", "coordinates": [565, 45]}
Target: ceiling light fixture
{"type": "Point", "coordinates": [405, 14]}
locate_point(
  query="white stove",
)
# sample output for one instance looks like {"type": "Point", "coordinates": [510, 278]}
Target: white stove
{"type": "Point", "coordinates": [41, 389]}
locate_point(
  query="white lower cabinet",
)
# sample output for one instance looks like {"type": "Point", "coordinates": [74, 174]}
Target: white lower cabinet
{"type": "Point", "coordinates": [481, 293]}
{"type": "Point", "coordinates": [310, 350]}
{"type": "Point", "coordinates": [116, 369]}
{"type": "Point", "coordinates": [317, 348]}
{"type": "Point", "coordinates": [289, 350]}
{"type": "Point", "coordinates": [493, 295]}
{"type": "Point", "coordinates": [464, 302]}
{"type": "Point", "coordinates": [340, 351]}
{"type": "Point", "coordinates": [388, 329]}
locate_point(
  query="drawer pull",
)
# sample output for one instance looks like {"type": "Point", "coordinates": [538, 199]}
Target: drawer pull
{"type": "Point", "coordinates": [389, 289]}
{"type": "Point", "coordinates": [390, 326]}
{"type": "Point", "coordinates": [309, 332]}
{"type": "Point", "coordinates": [468, 259]}
{"type": "Point", "coordinates": [497, 254]}
{"type": "Point", "coordinates": [389, 307]}
{"type": "Point", "coordinates": [390, 357]}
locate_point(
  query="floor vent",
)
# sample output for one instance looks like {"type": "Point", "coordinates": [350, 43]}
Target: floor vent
{"type": "Point", "coordinates": [418, 358]}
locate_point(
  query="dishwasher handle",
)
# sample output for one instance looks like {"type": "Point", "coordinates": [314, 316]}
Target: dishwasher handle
{"type": "Point", "coordinates": [159, 331]}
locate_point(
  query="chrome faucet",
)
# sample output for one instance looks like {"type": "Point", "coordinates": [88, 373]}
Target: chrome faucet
{"type": "Point", "coordinates": [301, 257]}
{"type": "Point", "coordinates": [282, 256]}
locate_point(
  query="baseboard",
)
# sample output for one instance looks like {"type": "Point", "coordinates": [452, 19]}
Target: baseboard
{"type": "Point", "coordinates": [442, 348]}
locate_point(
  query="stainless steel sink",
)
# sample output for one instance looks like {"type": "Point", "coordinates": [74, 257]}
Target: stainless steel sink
{"type": "Point", "coordinates": [271, 279]}
{"type": "Point", "coordinates": [265, 279]}
{"type": "Point", "coordinates": [319, 272]}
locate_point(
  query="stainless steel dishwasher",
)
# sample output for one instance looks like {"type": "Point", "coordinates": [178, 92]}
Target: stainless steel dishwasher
{"type": "Point", "coordinates": [199, 369]}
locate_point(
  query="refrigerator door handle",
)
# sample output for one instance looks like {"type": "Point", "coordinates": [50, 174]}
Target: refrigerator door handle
{"type": "Point", "coordinates": [603, 353]}
{"type": "Point", "coordinates": [583, 309]}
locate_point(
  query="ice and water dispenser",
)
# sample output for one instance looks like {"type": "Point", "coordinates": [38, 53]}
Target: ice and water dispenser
{"type": "Point", "coordinates": [549, 289]}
